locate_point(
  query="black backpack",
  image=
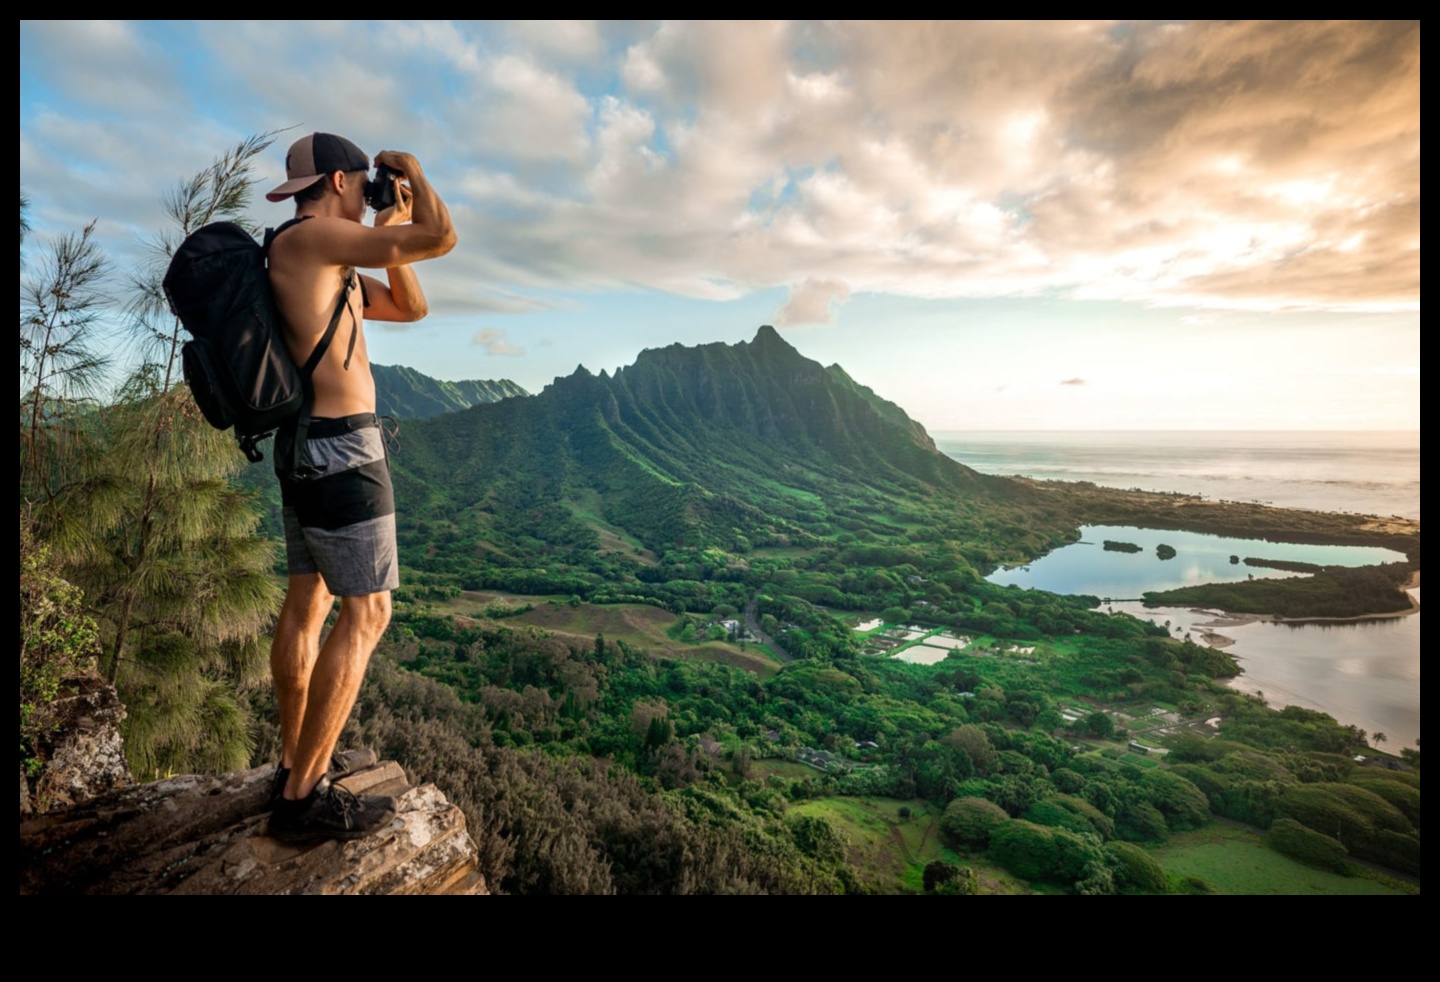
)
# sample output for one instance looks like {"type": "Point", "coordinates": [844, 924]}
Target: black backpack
{"type": "Point", "coordinates": [237, 365]}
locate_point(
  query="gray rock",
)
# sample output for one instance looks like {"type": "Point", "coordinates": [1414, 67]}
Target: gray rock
{"type": "Point", "coordinates": [206, 835]}
{"type": "Point", "coordinates": [84, 755]}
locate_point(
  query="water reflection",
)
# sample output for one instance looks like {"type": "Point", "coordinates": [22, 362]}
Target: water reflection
{"type": "Point", "coordinates": [1087, 567]}
{"type": "Point", "coordinates": [1365, 673]}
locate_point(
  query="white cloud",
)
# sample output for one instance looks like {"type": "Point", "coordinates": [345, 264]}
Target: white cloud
{"type": "Point", "coordinates": [533, 113]}
{"type": "Point", "coordinates": [813, 302]}
{"type": "Point", "coordinates": [710, 160]}
{"type": "Point", "coordinates": [574, 40]}
{"type": "Point", "coordinates": [492, 339]}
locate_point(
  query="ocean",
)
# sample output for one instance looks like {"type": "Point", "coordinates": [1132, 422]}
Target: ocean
{"type": "Point", "coordinates": [1365, 673]}
{"type": "Point", "coordinates": [1372, 473]}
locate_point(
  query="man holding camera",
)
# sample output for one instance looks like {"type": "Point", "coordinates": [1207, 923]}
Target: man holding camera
{"type": "Point", "coordinates": [338, 503]}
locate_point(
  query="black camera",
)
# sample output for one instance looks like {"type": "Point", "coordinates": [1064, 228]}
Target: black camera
{"type": "Point", "coordinates": [380, 193]}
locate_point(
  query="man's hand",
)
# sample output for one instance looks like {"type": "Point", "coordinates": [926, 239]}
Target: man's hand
{"type": "Point", "coordinates": [405, 163]}
{"type": "Point", "coordinates": [399, 212]}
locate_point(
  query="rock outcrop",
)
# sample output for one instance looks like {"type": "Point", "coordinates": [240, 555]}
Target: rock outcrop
{"type": "Point", "coordinates": [206, 835]}
{"type": "Point", "coordinates": [83, 753]}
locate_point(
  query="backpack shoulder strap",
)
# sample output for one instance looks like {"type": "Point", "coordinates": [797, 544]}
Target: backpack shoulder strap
{"type": "Point", "coordinates": [302, 423]}
{"type": "Point", "coordinates": [271, 233]}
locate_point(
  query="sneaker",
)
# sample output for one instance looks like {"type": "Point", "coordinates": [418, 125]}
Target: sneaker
{"type": "Point", "coordinates": [342, 762]}
{"type": "Point", "coordinates": [331, 812]}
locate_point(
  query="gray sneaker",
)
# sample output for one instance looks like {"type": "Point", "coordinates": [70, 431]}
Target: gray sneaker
{"type": "Point", "coordinates": [331, 812]}
{"type": "Point", "coordinates": [342, 762]}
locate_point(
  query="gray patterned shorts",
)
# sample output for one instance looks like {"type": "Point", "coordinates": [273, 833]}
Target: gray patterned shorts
{"type": "Point", "coordinates": [341, 523]}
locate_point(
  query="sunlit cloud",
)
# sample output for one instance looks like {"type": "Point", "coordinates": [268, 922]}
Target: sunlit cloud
{"type": "Point", "coordinates": [951, 160]}
{"type": "Point", "coordinates": [813, 302]}
{"type": "Point", "coordinates": [492, 339]}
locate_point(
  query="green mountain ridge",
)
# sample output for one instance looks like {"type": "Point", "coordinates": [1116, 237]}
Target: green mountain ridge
{"type": "Point", "coordinates": [717, 446]}
{"type": "Point", "coordinates": [405, 393]}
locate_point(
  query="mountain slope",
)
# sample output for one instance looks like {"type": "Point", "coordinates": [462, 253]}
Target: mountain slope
{"type": "Point", "coordinates": [405, 393]}
{"type": "Point", "coordinates": [718, 446]}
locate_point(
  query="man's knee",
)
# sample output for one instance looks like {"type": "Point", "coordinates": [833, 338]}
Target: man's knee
{"type": "Point", "coordinates": [307, 601]}
{"type": "Point", "coordinates": [370, 611]}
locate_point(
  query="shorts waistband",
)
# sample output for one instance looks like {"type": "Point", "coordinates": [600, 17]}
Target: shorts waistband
{"type": "Point", "coordinates": [331, 426]}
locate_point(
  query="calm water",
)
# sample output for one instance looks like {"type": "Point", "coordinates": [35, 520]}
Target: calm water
{"type": "Point", "coordinates": [1364, 673]}
{"type": "Point", "coordinates": [1371, 473]}
{"type": "Point", "coordinates": [1087, 567]}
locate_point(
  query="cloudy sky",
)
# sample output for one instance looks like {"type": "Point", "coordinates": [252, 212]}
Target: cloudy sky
{"type": "Point", "coordinates": [998, 226]}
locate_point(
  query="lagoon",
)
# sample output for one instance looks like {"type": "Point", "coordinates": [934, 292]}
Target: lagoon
{"type": "Point", "coordinates": [1363, 673]}
{"type": "Point", "coordinates": [1086, 567]}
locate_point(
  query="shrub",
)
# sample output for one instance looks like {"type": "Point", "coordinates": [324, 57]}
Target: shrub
{"type": "Point", "coordinates": [972, 821]}
{"type": "Point", "coordinates": [1289, 838]}
{"type": "Point", "coordinates": [1039, 853]}
{"type": "Point", "coordinates": [1134, 868]}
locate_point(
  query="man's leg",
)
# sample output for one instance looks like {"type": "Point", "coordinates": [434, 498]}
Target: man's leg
{"type": "Point", "coordinates": [334, 683]}
{"type": "Point", "coordinates": [293, 652]}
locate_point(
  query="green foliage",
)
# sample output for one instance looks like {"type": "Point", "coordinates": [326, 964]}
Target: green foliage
{"type": "Point", "coordinates": [1351, 812]}
{"type": "Point", "coordinates": [1334, 592]}
{"type": "Point", "coordinates": [1140, 821]}
{"type": "Point", "coordinates": [164, 547]}
{"type": "Point", "coordinates": [1393, 789]}
{"type": "Point", "coordinates": [1134, 868]}
{"type": "Point", "coordinates": [1068, 812]}
{"type": "Point", "coordinates": [1035, 852]}
{"type": "Point", "coordinates": [61, 364]}
{"type": "Point", "coordinates": [971, 821]}
{"type": "Point", "coordinates": [57, 642]}
{"type": "Point", "coordinates": [816, 837]}
{"type": "Point", "coordinates": [948, 880]}
{"type": "Point", "coordinates": [1098, 724]}
{"type": "Point", "coordinates": [1288, 837]}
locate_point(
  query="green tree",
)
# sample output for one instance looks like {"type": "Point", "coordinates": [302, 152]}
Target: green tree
{"type": "Point", "coordinates": [1099, 724]}
{"type": "Point", "coordinates": [60, 363]}
{"type": "Point", "coordinates": [971, 821]}
{"type": "Point", "coordinates": [165, 548]}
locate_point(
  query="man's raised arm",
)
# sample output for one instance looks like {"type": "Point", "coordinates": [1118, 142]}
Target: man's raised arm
{"type": "Point", "coordinates": [429, 233]}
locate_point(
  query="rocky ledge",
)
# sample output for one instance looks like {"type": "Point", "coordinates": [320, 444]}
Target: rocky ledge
{"type": "Point", "coordinates": [206, 835]}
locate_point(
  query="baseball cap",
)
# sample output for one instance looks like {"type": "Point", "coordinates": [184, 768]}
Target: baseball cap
{"type": "Point", "coordinates": [312, 157]}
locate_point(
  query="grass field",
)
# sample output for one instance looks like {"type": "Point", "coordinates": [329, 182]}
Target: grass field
{"type": "Point", "coordinates": [638, 625]}
{"type": "Point", "coordinates": [788, 769]}
{"type": "Point", "coordinates": [891, 852]}
{"type": "Point", "coordinates": [1235, 861]}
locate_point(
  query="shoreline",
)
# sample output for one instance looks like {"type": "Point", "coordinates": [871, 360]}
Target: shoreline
{"type": "Point", "coordinates": [1224, 618]}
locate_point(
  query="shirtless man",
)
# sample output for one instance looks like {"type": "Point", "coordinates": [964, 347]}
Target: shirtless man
{"type": "Point", "coordinates": [340, 510]}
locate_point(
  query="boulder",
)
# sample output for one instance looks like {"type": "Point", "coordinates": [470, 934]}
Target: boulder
{"type": "Point", "coordinates": [206, 835]}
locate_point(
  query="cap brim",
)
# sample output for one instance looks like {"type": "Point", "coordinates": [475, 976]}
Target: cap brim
{"type": "Point", "coordinates": [290, 187]}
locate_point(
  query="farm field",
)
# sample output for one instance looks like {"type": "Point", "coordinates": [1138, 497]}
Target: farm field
{"type": "Point", "coordinates": [638, 625]}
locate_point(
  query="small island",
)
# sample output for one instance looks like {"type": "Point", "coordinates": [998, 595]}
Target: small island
{"type": "Point", "coordinates": [1112, 546]}
{"type": "Point", "coordinates": [1165, 552]}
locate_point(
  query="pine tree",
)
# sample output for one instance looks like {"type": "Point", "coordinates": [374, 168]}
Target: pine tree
{"type": "Point", "coordinates": [165, 548]}
{"type": "Point", "coordinates": [60, 367]}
